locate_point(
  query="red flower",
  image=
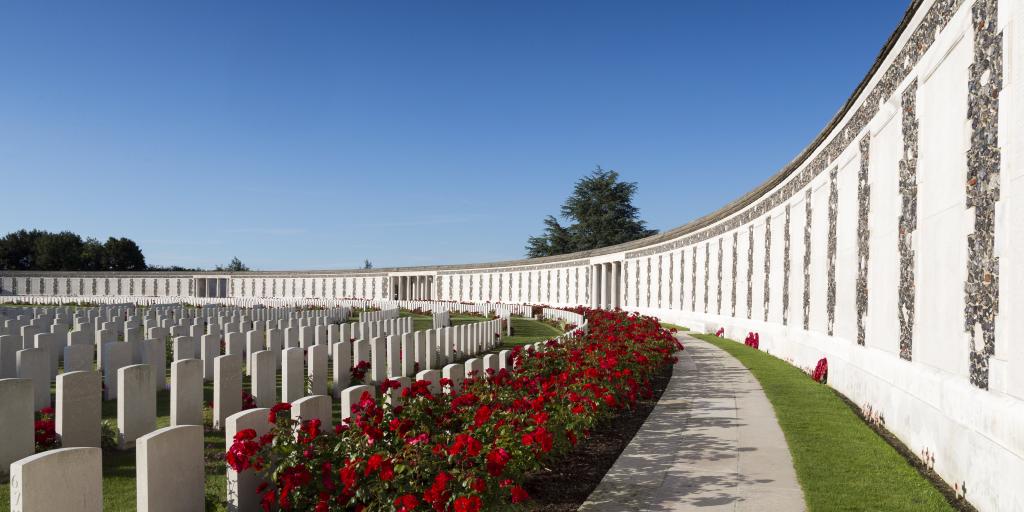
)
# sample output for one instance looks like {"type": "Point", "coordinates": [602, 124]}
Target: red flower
{"type": "Point", "coordinates": [373, 463]}
{"type": "Point", "coordinates": [497, 458]}
{"type": "Point", "coordinates": [277, 409]}
{"type": "Point", "coordinates": [482, 415]}
{"type": "Point", "coordinates": [406, 502]}
{"type": "Point", "coordinates": [519, 494]}
{"type": "Point", "coordinates": [467, 504]}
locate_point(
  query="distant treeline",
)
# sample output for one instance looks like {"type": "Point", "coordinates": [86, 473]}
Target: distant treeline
{"type": "Point", "coordinates": [42, 250]}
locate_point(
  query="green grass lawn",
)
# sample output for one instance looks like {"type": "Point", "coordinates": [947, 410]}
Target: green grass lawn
{"type": "Point", "coordinates": [119, 466]}
{"type": "Point", "coordinates": [424, 322]}
{"type": "Point", "coordinates": [840, 462]}
{"type": "Point", "coordinates": [529, 331]}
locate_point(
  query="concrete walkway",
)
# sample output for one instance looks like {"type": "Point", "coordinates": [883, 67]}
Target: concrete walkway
{"type": "Point", "coordinates": [711, 443]}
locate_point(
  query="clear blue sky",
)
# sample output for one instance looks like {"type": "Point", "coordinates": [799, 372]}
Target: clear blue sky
{"type": "Point", "coordinates": [300, 135]}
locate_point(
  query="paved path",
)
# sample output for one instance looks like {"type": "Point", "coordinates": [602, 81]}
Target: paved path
{"type": "Point", "coordinates": [711, 443]}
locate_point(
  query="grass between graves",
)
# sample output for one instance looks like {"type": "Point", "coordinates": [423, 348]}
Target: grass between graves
{"type": "Point", "coordinates": [841, 463]}
{"type": "Point", "coordinates": [529, 331]}
{"type": "Point", "coordinates": [422, 322]}
{"type": "Point", "coordinates": [119, 466]}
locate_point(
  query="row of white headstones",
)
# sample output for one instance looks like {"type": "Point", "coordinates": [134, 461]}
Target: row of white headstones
{"type": "Point", "coordinates": [275, 341]}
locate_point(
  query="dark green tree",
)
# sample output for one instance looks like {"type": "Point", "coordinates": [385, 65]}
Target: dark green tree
{"type": "Point", "coordinates": [18, 249]}
{"type": "Point", "coordinates": [123, 254]}
{"type": "Point", "coordinates": [367, 264]}
{"type": "Point", "coordinates": [59, 251]}
{"type": "Point", "coordinates": [557, 239]}
{"type": "Point", "coordinates": [602, 214]}
{"type": "Point", "coordinates": [94, 255]}
{"type": "Point", "coordinates": [236, 265]}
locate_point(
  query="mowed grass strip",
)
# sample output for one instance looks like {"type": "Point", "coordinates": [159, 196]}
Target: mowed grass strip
{"type": "Point", "coordinates": [529, 331]}
{"type": "Point", "coordinates": [841, 463]}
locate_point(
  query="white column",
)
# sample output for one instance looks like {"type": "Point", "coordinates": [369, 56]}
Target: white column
{"type": "Point", "coordinates": [599, 280]}
{"type": "Point", "coordinates": [608, 278]}
{"type": "Point", "coordinates": [616, 280]}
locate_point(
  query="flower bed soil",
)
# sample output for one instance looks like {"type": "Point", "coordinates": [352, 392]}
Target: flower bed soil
{"type": "Point", "coordinates": [566, 485]}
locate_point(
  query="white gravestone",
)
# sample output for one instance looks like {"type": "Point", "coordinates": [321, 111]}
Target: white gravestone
{"type": "Point", "coordinates": [350, 396]}
{"type": "Point", "coordinates": [227, 388]}
{"type": "Point", "coordinates": [17, 417]}
{"type": "Point", "coordinates": [342, 366]}
{"type": "Point", "coordinates": [79, 472]}
{"type": "Point", "coordinates": [264, 379]}
{"type": "Point", "coordinates": [313, 407]}
{"type": "Point", "coordinates": [34, 364]}
{"type": "Point", "coordinates": [169, 470]}
{"type": "Point", "coordinates": [79, 410]}
{"type": "Point", "coordinates": [187, 392]}
{"type": "Point", "coordinates": [317, 369]}
{"type": "Point", "coordinates": [136, 403]}
{"type": "Point", "coordinates": [293, 380]}
{"type": "Point", "coordinates": [242, 495]}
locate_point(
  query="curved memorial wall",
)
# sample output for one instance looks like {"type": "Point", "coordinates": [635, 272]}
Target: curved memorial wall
{"type": "Point", "coordinates": [893, 245]}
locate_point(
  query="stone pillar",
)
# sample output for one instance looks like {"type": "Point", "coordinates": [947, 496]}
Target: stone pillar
{"type": "Point", "coordinates": [64, 479]}
{"type": "Point", "coordinates": [606, 286]}
{"type": "Point", "coordinates": [595, 286]}
{"type": "Point", "coordinates": [169, 472]}
{"type": "Point", "coordinates": [616, 274]}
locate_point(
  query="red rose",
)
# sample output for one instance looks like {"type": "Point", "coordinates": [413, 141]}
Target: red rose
{"type": "Point", "coordinates": [519, 494]}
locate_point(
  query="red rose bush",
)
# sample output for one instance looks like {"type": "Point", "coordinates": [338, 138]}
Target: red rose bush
{"type": "Point", "coordinates": [465, 449]}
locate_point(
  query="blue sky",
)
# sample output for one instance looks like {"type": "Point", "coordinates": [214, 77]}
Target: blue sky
{"type": "Point", "coordinates": [300, 135]}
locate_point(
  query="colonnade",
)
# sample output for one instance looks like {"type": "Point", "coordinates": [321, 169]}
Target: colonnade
{"type": "Point", "coordinates": [606, 285]}
{"type": "Point", "coordinates": [411, 287]}
{"type": "Point", "coordinates": [210, 286]}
